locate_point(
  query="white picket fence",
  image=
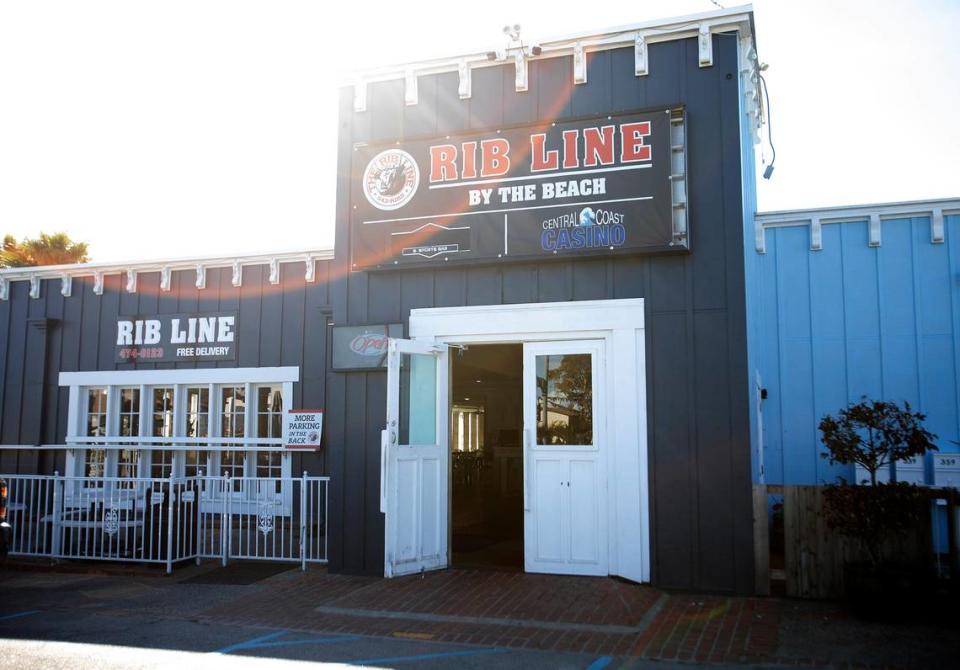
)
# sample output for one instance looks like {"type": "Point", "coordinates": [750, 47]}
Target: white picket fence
{"type": "Point", "coordinates": [167, 521]}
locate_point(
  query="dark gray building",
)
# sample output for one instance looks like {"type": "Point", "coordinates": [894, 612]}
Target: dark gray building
{"type": "Point", "coordinates": [553, 235]}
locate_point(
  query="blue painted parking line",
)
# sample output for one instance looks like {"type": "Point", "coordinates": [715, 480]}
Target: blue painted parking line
{"type": "Point", "coordinates": [315, 640]}
{"type": "Point", "coordinates": [247, 644]}
{"type": "Point", "coordinates": [17, 615]}
{"type": "Point", "coordinates": [425, 657]}
{"type": "Point", "coordinates": [270, 640]}
{"type": "Point", "coordinates": [600, 663]}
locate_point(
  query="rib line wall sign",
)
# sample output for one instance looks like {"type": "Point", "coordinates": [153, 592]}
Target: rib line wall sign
{"type": "Point", "coordinates": [600, 186]}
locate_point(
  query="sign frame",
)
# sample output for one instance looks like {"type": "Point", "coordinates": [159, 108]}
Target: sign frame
{"type": "Point", "coordinates": [675, 189]}
{"type": "Point", "coordinates": [394, 330]}
{"type": "Point", "coordinates": [316, 417]}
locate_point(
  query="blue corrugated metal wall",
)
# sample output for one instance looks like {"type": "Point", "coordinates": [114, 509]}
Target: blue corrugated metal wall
{"type": "Point", "coordinates": [853, 320]}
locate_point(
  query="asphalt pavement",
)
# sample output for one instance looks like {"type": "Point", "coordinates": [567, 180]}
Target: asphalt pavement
{"type": "Point", "coordinates": [63, 640]}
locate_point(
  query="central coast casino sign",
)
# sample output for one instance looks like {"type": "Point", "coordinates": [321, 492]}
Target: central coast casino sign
{"type": "Point", "coordinates": [587, 187]}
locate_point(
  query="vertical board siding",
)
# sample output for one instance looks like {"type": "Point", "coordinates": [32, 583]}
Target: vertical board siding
{"type": "Point", "coordinates": [698, 419]}
{"type": "Point", "coordinates": [699, 446]}
{"type": "Point", "coordinates": [283, 324]}
{"type": "Point", "coordinates": [850, 321]}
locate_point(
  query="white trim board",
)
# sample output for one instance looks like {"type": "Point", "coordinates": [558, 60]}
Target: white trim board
{"type": "Point", "coordinates": [185, 376]}
{"type": "Point", "coordinates": [620, 323]}
{"type": "Point", "coordinates": [521, 320]}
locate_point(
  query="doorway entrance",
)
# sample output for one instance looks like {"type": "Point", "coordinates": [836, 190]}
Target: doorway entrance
{"type": "Point", "coordinates": [579, 458]}
{"type": "Point", "coordinates": [486, 457]}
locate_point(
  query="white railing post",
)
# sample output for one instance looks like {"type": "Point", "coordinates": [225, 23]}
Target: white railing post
{"type": "Point", "coordinates": [198, 503]}
{"type": "Point", "coordinates": [57, 513]}
{"type": "Point", "coordinates": [303, 521]}
{"type": "Point", "coordinates": [170, 496]}
{"type": "Point", "coordinates": [225, 522]}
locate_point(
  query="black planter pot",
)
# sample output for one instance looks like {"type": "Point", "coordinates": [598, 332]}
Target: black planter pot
{"type": "Point", "coordinates": [885, 592]}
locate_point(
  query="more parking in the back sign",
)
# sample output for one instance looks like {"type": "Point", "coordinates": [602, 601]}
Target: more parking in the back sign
{"type": "Point", "coordinates": [303, 428]}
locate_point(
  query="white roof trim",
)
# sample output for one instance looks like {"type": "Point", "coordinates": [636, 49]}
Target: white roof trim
{"type": "Point", "coordinates": [182, 376]}
{"type": "Point", "coordinates": [646, 32]}
{"type": "Point", "coordinates": [874, 214]}
{"type": "Point", "coordinates": [130, 270]}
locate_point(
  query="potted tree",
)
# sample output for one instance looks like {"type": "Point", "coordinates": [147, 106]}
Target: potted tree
{"type": "Point", "coordinates": [875, 435]}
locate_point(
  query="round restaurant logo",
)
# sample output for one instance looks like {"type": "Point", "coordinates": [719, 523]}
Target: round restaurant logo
{"type": "Point", "coordinates": [391, 179]}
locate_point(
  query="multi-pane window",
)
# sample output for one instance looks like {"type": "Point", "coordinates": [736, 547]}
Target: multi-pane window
{"type": "Point", "coordinates": [178, 430]}
{"type": "Point", "coordinates": [197, 425]}
{"type": "Point", "coordinates": [96, 424]}
{"type": "Point", "coordinates": [269, 424]}
{"type": "Point", "coordinates": [162, 426]}
{"type": "Point", "coordinates": [233, 411]}
{"type": "Point", "coordinates": [128, 460]}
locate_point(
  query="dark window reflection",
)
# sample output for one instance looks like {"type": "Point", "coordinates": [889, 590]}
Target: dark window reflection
{"type": "Point", "coordinates": [564, 399]}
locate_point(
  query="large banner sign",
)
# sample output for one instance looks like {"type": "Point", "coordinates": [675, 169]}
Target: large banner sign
{"type": "Point", "coordinates": [586, 187]}
{"type": "Point", "coordinates": [174, 338]}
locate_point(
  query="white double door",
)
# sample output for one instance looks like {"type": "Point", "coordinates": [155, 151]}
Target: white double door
{"type": "Point", "coordinates": [565, 510]}
{"type": "Point", "coordinates": [564, 493]}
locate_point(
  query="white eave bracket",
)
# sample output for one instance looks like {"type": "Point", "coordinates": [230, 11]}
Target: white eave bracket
{"type": "Point", "coordinates": [705, 40]}
{"type": "Point", "coordinates": [936, 226]}
{"type": "Point", "coordinates": [522, 76]}
{"type": "Point", "coordinates": [640, 65]}
{"type": "Point", "coordinates": [465, 87]}
{"type": "Point", "coordinates": [579, 64]}
{"type": "Point", "coordinates": [360, 96]}
{"type": "Point", "coordinates": [165, 276]}
{"type": "Point", "coordinates": [410, 94]}
{"type": "Point", "coordinates": [816, 235]}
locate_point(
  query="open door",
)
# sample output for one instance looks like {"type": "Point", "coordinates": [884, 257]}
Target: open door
{"type": "Point", "coordinates": [565, 445]}
{"type": "Point", "coordinates": [413, 458]}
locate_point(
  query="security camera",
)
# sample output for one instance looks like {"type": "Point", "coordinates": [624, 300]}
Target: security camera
{"type": "Point", "coordinates": [513, 32]}
{"type": "Point", "coordinates": [536, 50]}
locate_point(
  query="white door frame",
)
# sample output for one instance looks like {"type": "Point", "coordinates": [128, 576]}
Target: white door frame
{"type": "Point", "coordinates": [620, 323]}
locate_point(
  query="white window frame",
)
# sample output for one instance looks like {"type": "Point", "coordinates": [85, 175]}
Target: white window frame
{"type": "Point", "coordinates": [214, 378]}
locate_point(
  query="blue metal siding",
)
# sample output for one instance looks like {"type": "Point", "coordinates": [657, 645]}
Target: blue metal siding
{"type": "Point", "coordinates": [852, 320]}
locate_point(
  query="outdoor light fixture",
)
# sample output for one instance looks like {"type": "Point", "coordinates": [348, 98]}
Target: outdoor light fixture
{"type": "Point", "coordinates": [768, 171]}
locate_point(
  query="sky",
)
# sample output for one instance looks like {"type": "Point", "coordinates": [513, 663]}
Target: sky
{"type": "Point", "coordinates": [208, 127]}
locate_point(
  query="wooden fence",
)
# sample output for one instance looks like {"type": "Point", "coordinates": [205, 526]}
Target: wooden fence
{"type": "Point", "coordinates": [796, 553]}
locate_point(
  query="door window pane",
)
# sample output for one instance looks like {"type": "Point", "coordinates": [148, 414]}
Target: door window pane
{"type": "Point", "coordinates": [198, 425]}
{"type": "Point", "coordinates": [162, 426]}
{"type": "Point", "coordinates": [96, 427]}
{"type": "Point", "coordinates": [233, 409]}
{"type": "Point", "coordinates": [418, 399]}
{"type": "Point", "coordinates": [269, 424]}
{"type": "Point", "coordinates": [564, 399]}
{"type": "Point", "coordinates": [128, 459]}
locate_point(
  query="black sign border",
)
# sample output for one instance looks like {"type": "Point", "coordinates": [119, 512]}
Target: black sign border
{"type": "Point", "coordinates": [683, 248]}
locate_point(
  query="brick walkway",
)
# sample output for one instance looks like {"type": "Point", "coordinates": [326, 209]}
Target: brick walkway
{"type": "Point", "coordinates": [581, 614]}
